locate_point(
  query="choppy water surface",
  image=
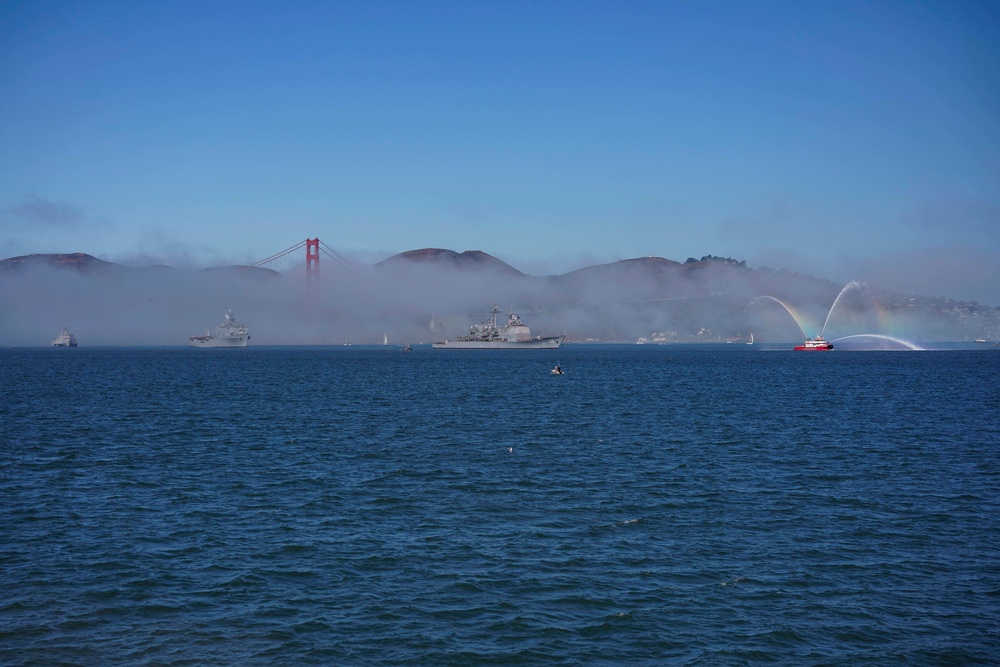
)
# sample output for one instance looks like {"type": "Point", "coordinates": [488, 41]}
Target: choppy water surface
{"type": "Point", "coordinates": [655, 505]}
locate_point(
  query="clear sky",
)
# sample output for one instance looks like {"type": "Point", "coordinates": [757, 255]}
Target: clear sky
{"type": "Point", "coordinates": [842, 139]}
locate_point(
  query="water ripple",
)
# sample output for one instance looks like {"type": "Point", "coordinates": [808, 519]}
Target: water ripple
{"type": "Point", "coordinates": [674, 506]}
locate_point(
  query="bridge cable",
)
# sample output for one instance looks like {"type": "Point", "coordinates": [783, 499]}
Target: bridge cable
{"type": "Point", "coordinates": [337, 257]}
{"type": "Point", "coordinates": [281, 254]}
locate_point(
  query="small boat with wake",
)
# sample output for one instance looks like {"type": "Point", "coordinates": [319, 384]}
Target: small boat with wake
{"type": "Point", "coordinates": [814, 344]}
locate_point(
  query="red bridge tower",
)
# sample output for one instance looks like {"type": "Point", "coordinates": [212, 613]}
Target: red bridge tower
{"type": "Point", "coordinates": [312, 260]}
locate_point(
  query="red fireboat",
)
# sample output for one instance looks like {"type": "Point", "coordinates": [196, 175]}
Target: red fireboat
{"type": "Point", "coordinates": [817, 343]}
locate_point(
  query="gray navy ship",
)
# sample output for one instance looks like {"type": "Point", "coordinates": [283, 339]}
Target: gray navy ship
{"type": "Point", "coordinates": [230, 333]}
{"type": "Point", "coordinates": [64, 339]}
{"type": "Point", "coordinates": [488, 335]}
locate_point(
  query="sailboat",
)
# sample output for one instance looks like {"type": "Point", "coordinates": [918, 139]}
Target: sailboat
{"type": "Point", "coordinates": [750, 342]}
{"type": "Point", "coordinates": [385, 339]}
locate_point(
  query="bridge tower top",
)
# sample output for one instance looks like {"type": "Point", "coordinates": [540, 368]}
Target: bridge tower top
{"type": "Point", "coordinates": [312, 260]}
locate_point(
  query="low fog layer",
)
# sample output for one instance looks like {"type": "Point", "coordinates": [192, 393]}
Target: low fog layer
{"type": "Point", "coordinates": [411, 302]}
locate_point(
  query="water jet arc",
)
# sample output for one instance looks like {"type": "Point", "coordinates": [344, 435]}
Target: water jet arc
{"type": "Point", "coordinates": [788, 310]}
{"type": "Point", "coordinates": [854, 284]}
{"type": "Point", "coordinates": [905, 343]}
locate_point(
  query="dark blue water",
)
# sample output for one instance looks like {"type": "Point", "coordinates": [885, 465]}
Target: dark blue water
{"type": "Point", "coordinates": [366, 506]}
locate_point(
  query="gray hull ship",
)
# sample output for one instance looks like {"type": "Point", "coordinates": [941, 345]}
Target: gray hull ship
{"type": "Point", "coordinates": [228, 334]}
{"type": "Point", "coordinates": [488, 335]}
{"type": "Point", "coordinates": [64, 339]}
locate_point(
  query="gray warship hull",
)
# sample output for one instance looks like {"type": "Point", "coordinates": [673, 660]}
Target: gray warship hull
{"type": "Point", "coordinates": [549, 343]}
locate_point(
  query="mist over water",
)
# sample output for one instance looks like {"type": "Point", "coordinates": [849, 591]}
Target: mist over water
{"type": "Point", "coordinates": [414, 303]}
{"type": "Point", "coordinates": [164, 306]}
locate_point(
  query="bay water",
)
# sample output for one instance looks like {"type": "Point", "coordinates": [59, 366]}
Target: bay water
{"type": "Point", "coordinates": [688, 505]}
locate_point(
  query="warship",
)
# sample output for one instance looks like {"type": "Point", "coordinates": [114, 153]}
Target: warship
{"type": "Point", "coordinates": [489, 335]}
{"type": "Point", "coordinates": [64, 339]}
{"type": "Point", "coordinates": [227, 334]}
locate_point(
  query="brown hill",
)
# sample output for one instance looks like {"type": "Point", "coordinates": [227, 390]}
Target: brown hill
{"type": "Point", "coordinates": [470, 260]}
{"type": "Point", "coordinates": [80, 261]}
{"type": "Point", "coordinates": [90, 265]}
{"type": "Point", "coordinates": [624, 270]}
{"type": "Point", "coordinates": [627, 279]}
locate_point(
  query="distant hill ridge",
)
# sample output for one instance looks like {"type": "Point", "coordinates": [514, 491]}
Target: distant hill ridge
{"type": "Point", "coordinates": [437, 257]}
{"type": "Point", "coordinates": [627, 279]}
{"type": "Point", "coordinates": [74, 260]}
{"type": "Point", "coordinates": [640, 278]}
{"type": "Point", "coordinates": [624, 281]}
{"type": "Point", "coordinates": [441, 257]}
{"type": "Point", "coordinates": [88, 264]}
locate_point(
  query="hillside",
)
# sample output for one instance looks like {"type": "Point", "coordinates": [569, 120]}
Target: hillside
{"type": "Point", "coordinates": [470, 260]}
{"type": "Point", "coordinates": [85, 264]}
{"type": "Point", "coordinates": [78, 261]}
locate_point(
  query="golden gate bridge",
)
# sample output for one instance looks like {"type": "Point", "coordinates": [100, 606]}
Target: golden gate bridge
{"type": "Point", "coordinates": [292, 260]}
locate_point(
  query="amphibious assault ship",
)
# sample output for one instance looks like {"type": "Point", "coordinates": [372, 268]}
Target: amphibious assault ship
{"type": "Point", "coordinates": [227, 334]}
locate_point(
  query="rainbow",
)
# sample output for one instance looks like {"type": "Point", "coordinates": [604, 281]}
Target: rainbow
{"type": "Point", "coordinates": [800, 320]}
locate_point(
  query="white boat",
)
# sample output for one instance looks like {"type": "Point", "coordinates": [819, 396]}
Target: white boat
{"type": "Point", "coordinates": [230, 333]}
{"type": "Point", "coordinates": [750, 342]}
{"type": "Point", "coordinates": [488, 335]}
{"type": "Point", "coordinates": [64, 339]}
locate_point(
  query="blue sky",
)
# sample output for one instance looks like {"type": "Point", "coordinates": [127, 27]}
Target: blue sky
{"type": "Point", "coordinates": [846, 140]}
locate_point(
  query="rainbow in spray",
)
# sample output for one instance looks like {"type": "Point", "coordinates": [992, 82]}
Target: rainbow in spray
{"type": "Point", "coordinates": [851, 315]}
{"type": "Point", "coordinates": [800, 320]}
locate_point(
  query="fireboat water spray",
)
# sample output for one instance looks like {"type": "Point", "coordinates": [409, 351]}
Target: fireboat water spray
{"type": "Point", "coordinates": [854, 284]}
{"type": "Point", "coordinates": [792, 314]}
{"type": "Point", "coordinates": [905, 343]}
{"type": "Point", "coordinates": [849, 287]}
